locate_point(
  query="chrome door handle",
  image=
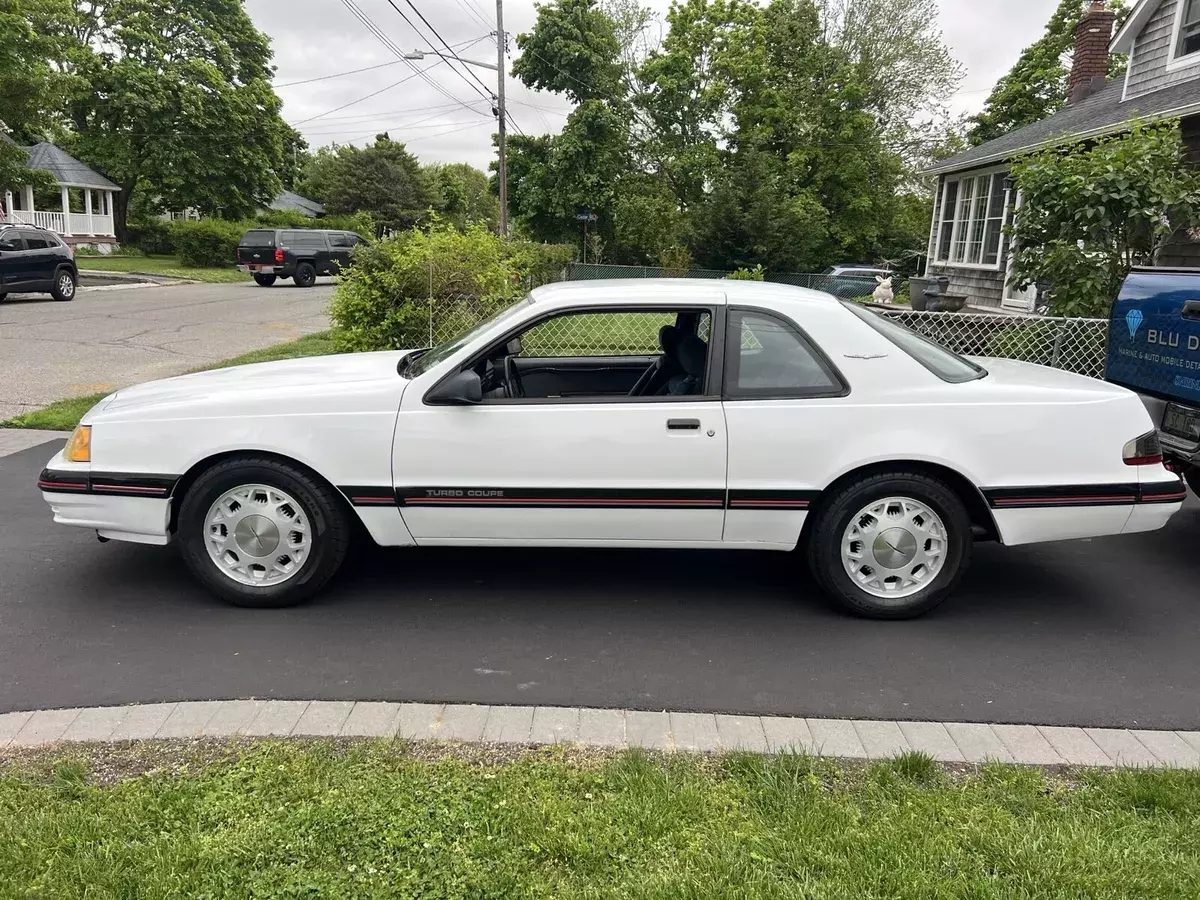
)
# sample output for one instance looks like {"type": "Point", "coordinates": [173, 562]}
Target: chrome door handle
{"type": "Point", "coordinates": [683, 424]}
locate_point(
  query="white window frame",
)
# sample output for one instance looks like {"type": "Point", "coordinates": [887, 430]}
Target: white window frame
{"type": "Point", "coordinates": [1175, 62]}
{"type": "Point", "coordinates": [977, 203]}
{"type": "Point", "coordinates": [1023, 301]}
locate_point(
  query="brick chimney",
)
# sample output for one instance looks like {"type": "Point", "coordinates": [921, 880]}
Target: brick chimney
{"type": "Point", "coordinates": [1089, 72]}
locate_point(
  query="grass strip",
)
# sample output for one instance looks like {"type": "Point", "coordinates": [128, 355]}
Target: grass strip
{"type": "Point", "coordinates": [384, 819]}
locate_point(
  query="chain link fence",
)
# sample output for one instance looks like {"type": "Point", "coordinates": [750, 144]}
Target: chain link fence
{"type": "Point", "coordinates": [1075, 345]}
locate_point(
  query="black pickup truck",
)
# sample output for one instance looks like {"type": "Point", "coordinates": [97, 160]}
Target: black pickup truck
{"type": "Point", "coordinates": [1154, 349]}
{"type": "Point", "coordinates": [297, 253]}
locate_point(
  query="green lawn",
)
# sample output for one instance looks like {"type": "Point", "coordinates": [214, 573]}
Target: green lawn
{"type": "Point", "coordinates": [166, 266]}
{"type": "Point", "coordinates": [64, 415]}
{"type": "Point", "coordinates": [380, 819]}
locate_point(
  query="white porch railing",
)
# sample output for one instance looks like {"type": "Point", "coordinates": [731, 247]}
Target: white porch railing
{"type": "Point", "coordinates": [101, 226]}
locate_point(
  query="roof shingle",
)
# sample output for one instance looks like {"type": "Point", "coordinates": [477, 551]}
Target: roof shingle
{"type": "Point", "coordinates": [1102, 113]}
{"type": "Point", "coordinates": [65, 168]}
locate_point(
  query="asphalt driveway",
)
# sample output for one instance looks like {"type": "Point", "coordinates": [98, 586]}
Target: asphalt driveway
{"type": "Point", "coordinates": [111, 338]}
{"type": "Point", "coordinates": [1099, 633]}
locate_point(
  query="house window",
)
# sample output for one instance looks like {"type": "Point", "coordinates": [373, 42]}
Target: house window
{"type": "Point", "coordinates": [1189, 29]}
{"type": "Point", "coordinates": [970, 229]}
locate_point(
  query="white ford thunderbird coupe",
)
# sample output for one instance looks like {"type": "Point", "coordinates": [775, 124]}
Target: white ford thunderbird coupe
{"type": "Point", "coordinates": [664, 413]}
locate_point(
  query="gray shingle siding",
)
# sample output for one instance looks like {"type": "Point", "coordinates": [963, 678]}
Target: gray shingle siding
{"type": "Point", "coordinates": [1152, 51]}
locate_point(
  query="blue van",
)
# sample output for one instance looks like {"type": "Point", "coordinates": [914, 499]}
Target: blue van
{"type": "Point", "coordinates": [1154, 349]}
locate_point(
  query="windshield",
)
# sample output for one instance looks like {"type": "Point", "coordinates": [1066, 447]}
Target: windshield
{"type": "Point", "coordinates": [937, 359]}
{"type": "Point", "coordinates": [431, 358]}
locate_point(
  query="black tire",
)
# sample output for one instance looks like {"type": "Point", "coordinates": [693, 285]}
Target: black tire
{"type": "Point", "coordinates": [264, 280]}
{"type": "Point", "coordinates": [2, 297]}
{"type": "Point", "coordinates": [329, 524]}
{"type": "Point", "coordinates": [306, 275]}
{"type": "Point", "coordinates": [64, 285]}
{"type": "Point", "coordinates": [835, 515]}
{"type": "Point", "coordinates": [1192, 475]}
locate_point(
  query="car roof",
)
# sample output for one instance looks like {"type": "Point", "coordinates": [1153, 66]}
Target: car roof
{"type": "Point", "coordinates": [616, 291]}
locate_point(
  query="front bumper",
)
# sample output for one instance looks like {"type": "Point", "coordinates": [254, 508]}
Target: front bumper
{"type": "Point", "coordinates": [120, 507]}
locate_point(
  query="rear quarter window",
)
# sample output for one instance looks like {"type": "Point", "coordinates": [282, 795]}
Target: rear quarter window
{"type": "Point", "coordinates": [304, 240]}
{"type": "Point", "coordinates": [943, 363]}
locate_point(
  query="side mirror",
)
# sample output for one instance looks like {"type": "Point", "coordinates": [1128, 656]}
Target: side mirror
{"type": "Point", "coordinates": [463, 389]}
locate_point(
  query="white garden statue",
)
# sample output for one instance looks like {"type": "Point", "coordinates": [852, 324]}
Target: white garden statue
{"type": "Point", "coordinates": [884, 294]}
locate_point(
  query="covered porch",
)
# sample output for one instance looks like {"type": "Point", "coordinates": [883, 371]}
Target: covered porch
{"type": "Point", "coordinates": [82, 209]}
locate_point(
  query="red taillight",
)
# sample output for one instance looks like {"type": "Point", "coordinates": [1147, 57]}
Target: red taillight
{"type": "Point", "coordinates": [278, 254]}
{"type": "Point", "coordinates": [1144, 451]}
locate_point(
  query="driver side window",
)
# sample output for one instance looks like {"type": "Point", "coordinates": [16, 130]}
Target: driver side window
{"type": "Point", "coordinates": [604, 355]}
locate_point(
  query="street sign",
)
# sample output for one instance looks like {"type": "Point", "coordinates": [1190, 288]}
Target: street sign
{"type": "Point", "coordinates": [586, 217]}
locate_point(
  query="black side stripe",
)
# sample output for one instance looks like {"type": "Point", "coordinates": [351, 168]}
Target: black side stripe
{"type": "Point", "coordinates": [111, 484]}
{"type": "Point", "coordinates": [1084, 495]}
{"type": "Point", "coordinates": [577, 498]}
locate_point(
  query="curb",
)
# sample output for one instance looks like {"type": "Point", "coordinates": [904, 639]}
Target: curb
{"type": "Point", "coordinates": [611, 728]}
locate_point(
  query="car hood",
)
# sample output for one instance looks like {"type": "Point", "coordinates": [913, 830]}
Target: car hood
{"type": "Point", "coordinates": [1017, 374]}
{"type": "Point", "coordinates": [287, 377]}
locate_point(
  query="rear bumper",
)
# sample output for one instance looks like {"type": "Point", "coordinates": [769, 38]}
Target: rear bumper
{"type": "Point", "coordinates": [280, 271]}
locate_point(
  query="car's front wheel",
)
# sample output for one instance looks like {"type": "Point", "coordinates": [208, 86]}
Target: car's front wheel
{"type": "Point", "coordinates": [891, 545]}
{"type": "Point", "coordinates": [64, 285]}
{"type": "Point", "coordinates": [1191, 474]}
{"type": "Point", "coordinates": [262, 533]}
{"type": "Point", "coordinates": [264, 280]}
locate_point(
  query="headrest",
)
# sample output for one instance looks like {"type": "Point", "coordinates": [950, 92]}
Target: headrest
{"type": "Point", "coordinates": [668, 337]}
{"type": "Point", "coordinates": [692, 354]}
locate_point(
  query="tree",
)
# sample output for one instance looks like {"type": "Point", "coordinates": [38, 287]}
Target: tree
{"type": "Point", "coordinates": [383, 179]}
{"type": "Point", "coordinates": [30, 90]}
{"type": "Point", "coordinates": [573, 50]}
{"type": "Point", "coordinates": [1036, 86]}
{"type": "Point", "coordinates": [173, 98]}
{"type": "Point", "coordinates": [1091, 212]}
{"type": "Point", "coordinates": [460, 194]}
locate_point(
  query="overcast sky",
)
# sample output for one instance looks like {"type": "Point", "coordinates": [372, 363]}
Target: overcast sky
{"type": "Point", "coordinates": [314, 38]}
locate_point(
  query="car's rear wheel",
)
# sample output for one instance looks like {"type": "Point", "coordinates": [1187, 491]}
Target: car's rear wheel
{"type": "Point", "coordinates": [261, 533]}
{"type": "Point", "coordinates": [891, 545]}
{"type": "Point", "coordinates": [306, 275]}
{"type": "Point", "coordinates": [2, 297]}
{"type": "Point", "coordinates": [64, 285]}
{"type": "Point", "coordinates": [264, 280]}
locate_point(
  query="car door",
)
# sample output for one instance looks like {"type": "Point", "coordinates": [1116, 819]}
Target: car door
{"type": "Point", "coordinates": [340, 245]}
{"type": "Point", "coordinates": [41, 259]}
{"type": "Point", "coordinates": [585, 469]}
{"type": "Point", "coordinates": [13, 266]}
{"type": "Point", "coordinates": [776, 382]}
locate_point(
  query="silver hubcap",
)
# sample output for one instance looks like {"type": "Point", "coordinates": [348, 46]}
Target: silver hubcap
{"type": "Point", "coordinates": [66, 286]}
{"type": "Point", "coordinates": [894, 548]}
{"type": "Point", "coordinates": [257, 535]}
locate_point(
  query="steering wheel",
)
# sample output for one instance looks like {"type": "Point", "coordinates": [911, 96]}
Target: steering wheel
{"type": "Point", "coordinates": [512, 378]}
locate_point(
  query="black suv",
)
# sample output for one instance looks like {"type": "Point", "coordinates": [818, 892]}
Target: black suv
{"type": "Point", "coordinates": [36, 261]}
{"type": "Point", "coordinates": [300, 254]}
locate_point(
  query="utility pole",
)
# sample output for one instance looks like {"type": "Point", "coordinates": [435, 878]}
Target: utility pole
{"type": "Point", "coordinates": [503, 167]}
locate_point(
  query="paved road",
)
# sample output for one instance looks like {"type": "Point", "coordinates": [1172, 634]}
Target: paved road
{"type": "Point", "coordinates": [110, 338]}
{"type": "Point", "coordinates": [1101, 633]}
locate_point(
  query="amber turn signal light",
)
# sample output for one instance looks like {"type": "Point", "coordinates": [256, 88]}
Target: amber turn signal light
{"type": "Point", "coordinates": [79, 448]}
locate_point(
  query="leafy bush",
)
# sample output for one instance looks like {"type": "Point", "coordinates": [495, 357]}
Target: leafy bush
{"type": "Point", "coordinates": [540, 263]}
{"type": "Point", "coordinates": [152, 236]}
{"type": "Point", "coordinates": [208, 242]}
{"type": "Point", "coordinates": [385, 300]}
{"type": "Point", "coordinates": [744, 274]}
{"type": "Point", "coordinates": [675, 261]}
{"type": "Point", "coordinates": [362, 223]}
{"type": "Point", "coordinates": [1029, 342]}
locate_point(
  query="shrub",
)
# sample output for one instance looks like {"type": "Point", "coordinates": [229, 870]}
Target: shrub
{"type": "Point", "coordinates": [384, 302]}
{"type": "Point", "coordinates": [151, 236]}
{"type": "Point", "coordinates": [208, 242]}
{"type": "Point", "coordinates": [362, 223]}
{"type": "Point", "coordinates": [744, 274]}
{"type": "Point", "coordinates": [675, 261]}
{"type": "Point", "coordinates": [540, 263]}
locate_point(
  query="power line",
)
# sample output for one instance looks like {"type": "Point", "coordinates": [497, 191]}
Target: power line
{"type": "Point", "coordinates": [471, 10]}
{"type": "Point", "coordinates": [391, 113]}
{"type": "Point", "coordinates": [387, 42]}
{"type": "Point", "coordinates": [360, 99]}
{"type": "Point", "coordinates": [486, 92]}
{"type": "Point", "coordinates": [394, 62]}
